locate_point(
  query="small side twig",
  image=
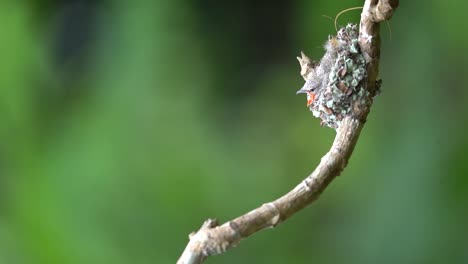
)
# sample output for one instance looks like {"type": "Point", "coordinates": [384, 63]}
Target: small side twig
{"type": "Point", "coordinates": [212, 239]}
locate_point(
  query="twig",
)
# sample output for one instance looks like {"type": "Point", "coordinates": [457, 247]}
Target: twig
{"type": "Point", "coordinates": [212, 239]}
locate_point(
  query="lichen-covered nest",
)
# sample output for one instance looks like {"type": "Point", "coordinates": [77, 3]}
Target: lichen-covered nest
{"type": "Point", "coordinates": [337, 83]}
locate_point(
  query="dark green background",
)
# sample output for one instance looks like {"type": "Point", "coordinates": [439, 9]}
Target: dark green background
{"type": "Point", "coordinates": [125, 124]}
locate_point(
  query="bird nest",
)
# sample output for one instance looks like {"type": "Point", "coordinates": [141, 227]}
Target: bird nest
{"type": "Point", "coordinates": [336, 86]}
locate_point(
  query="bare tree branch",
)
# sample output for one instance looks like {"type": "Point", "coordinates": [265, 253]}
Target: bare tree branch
{"type": "Point", "coordinates": [212, 239]}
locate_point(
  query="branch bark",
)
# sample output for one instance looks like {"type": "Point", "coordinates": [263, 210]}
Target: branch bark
{"type": "Point", "coordinates": [212, 239]}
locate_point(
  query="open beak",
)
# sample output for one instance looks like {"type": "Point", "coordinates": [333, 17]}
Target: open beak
{"type": "Point", "coordinates": [306, 89]}
{"type": "Point", "coordinates": [310, 98]}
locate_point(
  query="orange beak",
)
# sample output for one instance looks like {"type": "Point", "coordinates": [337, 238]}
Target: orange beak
{"type": "Point", "coordinates": [311, 98]}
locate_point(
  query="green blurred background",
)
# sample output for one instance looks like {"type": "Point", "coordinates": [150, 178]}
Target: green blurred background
{"type": "Point", "coordinates": [125, 124]}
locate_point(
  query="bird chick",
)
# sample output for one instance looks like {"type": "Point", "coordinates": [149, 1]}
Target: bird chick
{"type": "Point", "coordinates": [317, 78]}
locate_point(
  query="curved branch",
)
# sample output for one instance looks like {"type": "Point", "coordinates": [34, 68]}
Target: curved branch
{"type": "Point", "coordinates": [212, 239]}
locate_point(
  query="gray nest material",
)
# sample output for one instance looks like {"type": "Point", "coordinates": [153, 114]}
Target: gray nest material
{"type": "Point", "coordinates": [335, 87]}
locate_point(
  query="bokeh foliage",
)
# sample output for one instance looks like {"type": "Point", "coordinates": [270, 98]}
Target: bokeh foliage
{"type": "Point", "coordinates": [126, 123]}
